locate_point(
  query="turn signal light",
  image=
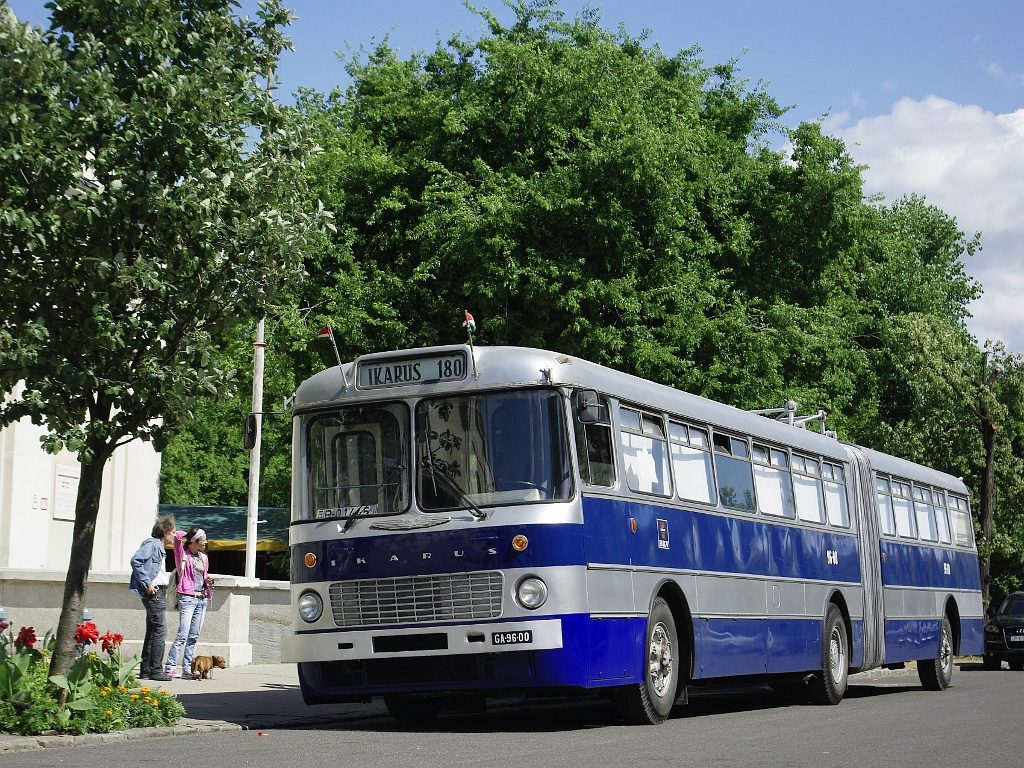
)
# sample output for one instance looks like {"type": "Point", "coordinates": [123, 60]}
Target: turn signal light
{"type": "Point", "coordinates": [520, 542]}
{"type": "Point", "coordinates": [309, 559]}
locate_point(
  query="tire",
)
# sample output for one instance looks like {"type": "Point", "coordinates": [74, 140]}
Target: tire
{"type": "Point", "coordinates": [992, 663]}
{"type": "Point", "coordinates": [650, 701]}
{"type": "Point", "coordinates": [936, 674]}
{"type": "Point", "coordinates": [828, 685]}
{"type": "Point", "coordinates": [409, 708]}
{"type": "Point", "coordinates": [1017, 665]}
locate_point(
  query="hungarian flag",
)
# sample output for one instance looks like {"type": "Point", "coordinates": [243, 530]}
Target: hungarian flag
{"type": "Point", "coordinates": [325, 333]}
{"type": "Point", "coordinates": [469, 323]}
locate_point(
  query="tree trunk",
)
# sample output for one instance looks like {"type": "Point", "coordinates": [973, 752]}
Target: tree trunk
{"type": "Point", "coordinates": [86, 510]}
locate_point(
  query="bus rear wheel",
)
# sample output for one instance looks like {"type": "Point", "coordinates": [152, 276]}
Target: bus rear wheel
{"type": "Point", "coordinates": [936, 673]}
{"type": "Point", "coordinates": [828, 685]}
{"type": "Point", "coordinates": [650, 701]}
{"type": "Point", "coordinates": [413, 708]}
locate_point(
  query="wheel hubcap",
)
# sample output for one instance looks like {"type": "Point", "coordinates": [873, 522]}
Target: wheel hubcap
{"type": "Point", "coordinates": [837, 655]}
{"type": "Point", "coordinates": [945, 652]}
{"type": "Point", "coordinates": [659, 660]}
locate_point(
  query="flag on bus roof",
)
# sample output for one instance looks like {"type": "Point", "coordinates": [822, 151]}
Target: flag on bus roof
{"type": "Point", "coordinates": [469, 323]}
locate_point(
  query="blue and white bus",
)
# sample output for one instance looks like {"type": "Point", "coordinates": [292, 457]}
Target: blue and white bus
{"type": "Point", "coordinates": [508, 519]}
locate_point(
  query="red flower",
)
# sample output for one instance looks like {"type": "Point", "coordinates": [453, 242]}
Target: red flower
{"type": "Point", "coordinates": [86, 633]}
{"type": "Point", "coordinates": [112, 641]}
{"type": "Point", "coordinates": [26, 638]}
{"type": "Point", "coordinates": [3, 625]}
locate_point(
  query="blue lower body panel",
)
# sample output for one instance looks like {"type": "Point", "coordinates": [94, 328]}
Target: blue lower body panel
{"type": "Point", "coordinates": [910, 639]}
{"type": "Point", "coordinates": [972, 637]}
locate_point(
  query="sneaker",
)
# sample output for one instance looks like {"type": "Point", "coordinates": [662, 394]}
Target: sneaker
{"type": "Point", "coordinates": [160, 676]}
{"type": "Point", "coordinates": [186, 675]}
{"type": "Point", "coordinates": [172, 673]}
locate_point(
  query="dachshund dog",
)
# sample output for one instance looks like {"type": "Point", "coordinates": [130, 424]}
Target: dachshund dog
{"type": "Point", "coordinates": [203, 665]}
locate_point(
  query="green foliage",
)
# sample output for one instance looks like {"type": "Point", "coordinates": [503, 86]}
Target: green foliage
{"type": "Point", "coordinates": [584, 191]}
{"type": "Point", "coordinates": [96, 696]}
{"type": "Point", "coordinates": [140, 220]}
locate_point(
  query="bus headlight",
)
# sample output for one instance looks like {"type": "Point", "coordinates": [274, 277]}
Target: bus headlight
{"type": "Point", "coordinates": [532, 592]}
{"type": "Point", "coordinates": [310, 606]}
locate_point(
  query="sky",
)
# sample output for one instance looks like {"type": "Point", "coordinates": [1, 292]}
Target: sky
{"type": "Point", "coordinates": [929, 94]}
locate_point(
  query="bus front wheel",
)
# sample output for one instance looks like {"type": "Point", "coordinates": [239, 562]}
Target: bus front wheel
{"type": "Point", "coordinates": [828, 686]}
{"type": "Point", "coordinates": [650, 701]}
{"type": "Point", "coordinates": [936, 674]}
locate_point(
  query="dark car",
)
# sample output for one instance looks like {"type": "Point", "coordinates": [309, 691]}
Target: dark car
{"type": "Point", "coordinates": [1004, 634]}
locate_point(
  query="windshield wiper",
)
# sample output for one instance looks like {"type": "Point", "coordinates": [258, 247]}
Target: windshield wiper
{"type": "Point", "coordinates": [456, 490]}
{"type": "Point", "coordinates": [423, 428]}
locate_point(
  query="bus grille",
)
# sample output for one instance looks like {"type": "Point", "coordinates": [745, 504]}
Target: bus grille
{"type": "Point", "coordinates": [417, 599]}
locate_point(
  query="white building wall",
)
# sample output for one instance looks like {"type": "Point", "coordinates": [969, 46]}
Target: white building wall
{"type": "Point", "coordinates": [37, 502]}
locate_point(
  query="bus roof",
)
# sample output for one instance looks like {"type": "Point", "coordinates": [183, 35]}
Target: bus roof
{"type": "Point", "coordinates": [501, 367]}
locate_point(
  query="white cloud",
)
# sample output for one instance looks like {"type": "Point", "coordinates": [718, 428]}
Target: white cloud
{"type": "Point", "coordinates": [970, 163]}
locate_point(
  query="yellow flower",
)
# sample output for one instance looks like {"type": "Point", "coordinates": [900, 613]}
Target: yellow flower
{"type": "Point", "coordinates": [163, 692]}
{"type": "Point", "coordinates": [134, 696]}
{"type": "Point", "coordinates": [156, 703]}
{"type": "Point", "coordinates": [145, 690]}
{"type": "Point", "coordinates": [104, 692]}
{"type": "Point", "coordinates": [110, 712]}
{"type": "Point", "coordinates": [122, 689]}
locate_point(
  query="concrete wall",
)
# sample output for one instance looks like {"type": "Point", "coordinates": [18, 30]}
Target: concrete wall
{"type": "Point", "coordinates": [33, 598]}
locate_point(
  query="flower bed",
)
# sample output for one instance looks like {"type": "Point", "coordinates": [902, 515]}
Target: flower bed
{"type": "Point", "coordinates": [98, 694]}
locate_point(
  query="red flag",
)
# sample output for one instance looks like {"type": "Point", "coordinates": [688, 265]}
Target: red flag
{"type": "Point", "coordinates": [325, 333]}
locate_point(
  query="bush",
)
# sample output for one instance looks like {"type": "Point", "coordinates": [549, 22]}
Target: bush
{"type": "Point", "coordinates": [98, 694]}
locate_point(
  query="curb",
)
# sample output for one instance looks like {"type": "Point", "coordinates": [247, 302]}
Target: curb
{"type": "Point", "coordinates": [185, 727]}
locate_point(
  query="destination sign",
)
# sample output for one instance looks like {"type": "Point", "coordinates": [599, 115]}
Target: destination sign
{"type": "Point", "coordinates": [400, 372]}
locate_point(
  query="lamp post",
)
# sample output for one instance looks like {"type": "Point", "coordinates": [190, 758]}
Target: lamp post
{"type": "Point", "coordinates": [254, 454]}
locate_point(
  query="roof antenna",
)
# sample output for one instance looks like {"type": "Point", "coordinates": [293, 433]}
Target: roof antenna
{"type": "Point", "coordinates": [327, 333]}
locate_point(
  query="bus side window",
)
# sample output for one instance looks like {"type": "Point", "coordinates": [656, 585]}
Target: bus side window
{"type": "Point", "coordinates": [925, 512]}
{"type": "Point", "coordinates": [810, 500]}
{"type": "Point", "coordinates": [835, 496]}
{"type": "Point", "coordinates": [734, 472]}
{"type": "Point", "coordinates": [691, 459]}
{"type": "Point", "coordinates": [644, 452]}
{"type": "Point", "coordinates": [940, 517]}
{"type": "Point", "coordinates": [961, 517]}
{"type": "Point", "coordinates": [773, 481]}
{"type": "Point", "coordinates": [906, 525]}
{"type": "Point", "coordinates": [885, 510]}
{"type": "Point", "coordinates": [594, 447]}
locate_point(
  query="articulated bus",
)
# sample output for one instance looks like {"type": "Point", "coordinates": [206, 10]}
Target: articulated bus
{"type": "Point", "coordinates": [498, 520]}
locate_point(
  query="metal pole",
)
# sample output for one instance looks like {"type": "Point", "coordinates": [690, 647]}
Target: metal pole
{"type": "Point", "coordinates": [254, 454]}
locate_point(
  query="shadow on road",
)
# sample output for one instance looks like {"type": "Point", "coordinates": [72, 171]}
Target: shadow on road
{"type": "Point", "coordinates": [281, 707]}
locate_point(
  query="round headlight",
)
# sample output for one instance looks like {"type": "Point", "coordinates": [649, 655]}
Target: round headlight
{"type": "Point", "coordinates": [532, 592]}
{"type": "Point", "coordinates": [310, 606]}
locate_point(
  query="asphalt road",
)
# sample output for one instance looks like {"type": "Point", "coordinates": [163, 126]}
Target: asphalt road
{"type": "Point", "coordinates": [890, 721]}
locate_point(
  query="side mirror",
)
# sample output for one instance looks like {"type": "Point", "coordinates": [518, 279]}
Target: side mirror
{"type": "Point", "coordinates": [249, 432]}
{"type": "Point", "coordinates": [589, 408]}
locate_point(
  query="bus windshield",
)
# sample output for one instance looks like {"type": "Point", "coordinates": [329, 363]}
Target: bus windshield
{"type": "Point", "coordinates": [490, 449]}
{"type": "Point", "coordinates": [357, 461]}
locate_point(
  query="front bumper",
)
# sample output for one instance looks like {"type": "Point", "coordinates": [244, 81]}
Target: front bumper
{"type": "Point", "coordinates": [437, 640]}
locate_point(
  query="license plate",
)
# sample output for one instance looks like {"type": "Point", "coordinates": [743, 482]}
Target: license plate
{"type": "Point", "coordinates": [512, 638]}
{"type": "Point", "coordinates": [1017, 638]}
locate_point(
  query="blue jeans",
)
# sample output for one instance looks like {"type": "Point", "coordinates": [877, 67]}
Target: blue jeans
{"type": "Point", "coordinates": [156, 630]}
{"type": "Point", "coordinates": [191, 612]}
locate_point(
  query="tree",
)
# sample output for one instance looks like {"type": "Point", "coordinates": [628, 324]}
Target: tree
{"type": "Point", "coordinates": [583, 191]}
{"type": "Point", "coordinates": [149, 201]}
